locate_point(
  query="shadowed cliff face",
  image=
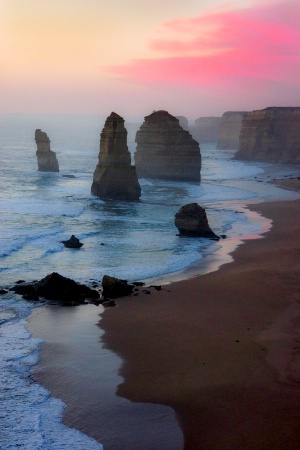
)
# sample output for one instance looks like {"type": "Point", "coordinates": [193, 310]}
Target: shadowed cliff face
{"type": "Point", "coordinates": [165, 150]}
{"type": "Point", "coordinates": [206, 129]}
{"type": "Point", "coordinates": [229, 131]}
{"type": "Point", "coordinates": [46, 158]}
{"type": "Point", "coordinates": [114, 177]}
{"type": "Point", "coordinates": [271, 134]}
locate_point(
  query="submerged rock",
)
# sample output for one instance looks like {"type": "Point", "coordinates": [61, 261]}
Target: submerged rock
{"type": "Point", "coordinates": [114, 287]}
{"type": "Point", "coordinates": [114, 176]}
{"type": "Point", "coordinates": [73, 242]}
{"type": "Point", "coordinates": [271, 134]}
{"type": "Point", "coordinates": [56, 287]}
{"type": "Point", "coordinates": [46, 158]}
{"type": "Point", "coordinates": [165, 150]}
{"type": "Point", "coordinates": [191, 220]}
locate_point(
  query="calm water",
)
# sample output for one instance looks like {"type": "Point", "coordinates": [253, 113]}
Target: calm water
{"type": "Point", "coordinates": [38, 210]}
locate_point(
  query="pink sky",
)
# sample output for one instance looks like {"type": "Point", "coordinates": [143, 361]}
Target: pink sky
{"type": "Point", "coordinates": [70, 56]}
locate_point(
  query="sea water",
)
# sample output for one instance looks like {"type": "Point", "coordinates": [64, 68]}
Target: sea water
{"type": "Point", "coordinates": [133, 241]}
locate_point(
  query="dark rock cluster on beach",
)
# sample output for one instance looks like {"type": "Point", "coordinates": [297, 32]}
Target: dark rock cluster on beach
{"type": "Point", "coordinates": [114, 176]}
{"type": "Point", "coordinates": [67, 292]}
{"type": "Point", "coordinates": [46, 158]}
{"type": "Point", "coordinates": [165, 150]}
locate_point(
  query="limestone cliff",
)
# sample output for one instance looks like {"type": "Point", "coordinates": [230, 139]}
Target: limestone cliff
{"type": "Point", "coordinates": [114, 176]}
{"type": "Point", "coordinates": [165, 150]}
{"type": "Point", "coordinates": [183, 122]}
{"type": "Point", "coordinates": [230, 128]}
{"type": "Point", "coordinates": [206, 129]}
{"type": "Point", "coordinates": [271, 134]}
{"type": "Point", "coordinates": [46, 158]}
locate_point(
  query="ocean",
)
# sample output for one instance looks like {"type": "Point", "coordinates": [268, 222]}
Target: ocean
{"type": "Point", "coordinates": [133, 241]}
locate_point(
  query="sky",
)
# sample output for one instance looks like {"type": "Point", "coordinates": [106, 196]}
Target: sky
{"type": "Point", "coordinates": [190, 57]}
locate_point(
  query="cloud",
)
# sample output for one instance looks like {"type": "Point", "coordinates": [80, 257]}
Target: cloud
{"type": "Point", "coordinates": [224, 47]}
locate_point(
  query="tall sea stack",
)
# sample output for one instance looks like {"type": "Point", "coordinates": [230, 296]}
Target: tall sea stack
{"type": "Point", "coordinates": [165, 150]}
{"type": "Point", "coordinates": [271, 134]}
{"type": "Point", "coordinates": [229, 131]}
{"type": "Point", "coordinates": [46, 158]}
{"type": "Point", "coordinates": [114, 176]}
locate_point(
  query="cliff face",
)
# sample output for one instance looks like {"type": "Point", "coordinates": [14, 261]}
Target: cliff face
{"type": "Point", "coordinates": [165, 150]}
{"type": "Point", "coordinates": [114, 176]}
{"type": "Point", "coordinates": [230, 128]}
{"type": "Point", "coordinates": [206, 129]}
{"type": "Point", "coordinates": [271, 134]}
{"type": "Point", "coordinates": [46, 158]}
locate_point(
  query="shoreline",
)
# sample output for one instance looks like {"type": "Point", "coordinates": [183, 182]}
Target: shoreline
{"type": "Point", "coordinates": [169, 374]}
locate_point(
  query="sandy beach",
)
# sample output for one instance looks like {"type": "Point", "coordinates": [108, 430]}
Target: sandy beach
{"type": "Point", "coordinates": [222, 350]}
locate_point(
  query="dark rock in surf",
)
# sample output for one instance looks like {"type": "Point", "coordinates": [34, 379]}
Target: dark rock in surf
{"type": "Point", "coordinates": [58, 288]}
{"type": "Point", "coordinates": [191, 220]}
{"type": "Point", "coordinates": [73, 242]}
{"type": "Point", "coordinates": [114, 287]}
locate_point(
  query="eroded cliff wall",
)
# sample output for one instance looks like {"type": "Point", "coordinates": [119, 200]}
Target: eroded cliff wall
{"type": "Point", "coordinates": [229, 131]}
{"type": "Point", "coordinates": [271, 134]}
{"type": "Point", "coordinates": [206, 129]}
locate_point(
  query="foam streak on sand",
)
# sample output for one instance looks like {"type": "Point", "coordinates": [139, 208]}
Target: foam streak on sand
{"type": "Point", "coordinates": [222, 349]}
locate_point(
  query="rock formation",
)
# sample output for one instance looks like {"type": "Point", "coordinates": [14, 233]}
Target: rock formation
{"type": "Point", "coordinates": [114, 287]}
{"type": "Point", "coordinates": [46, 158]}
{"type": "Point", "coordinates": [73, 242]}
{"type": "Point", "coordinates": [206, 129]}
{"type": "Point", "coordinates": [271, 134]}
{"type": "Point", "coordinates": [165, 150]}
{"type": "Point", "coordinates": [191, 220]}
{"type": "Point", "coordinates": [229, 131]}
{"type": "Point", "coordinates": [183, 122]}
{"type": "Point", "coordinates": [58, 288]}
{"type": "Point", "coordinates": [114, 176]}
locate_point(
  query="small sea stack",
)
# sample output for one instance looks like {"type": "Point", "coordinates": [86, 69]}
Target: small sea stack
{"type": "Point", "coordinates": [191, 221]}
{"type": "Point", "coordinates": [229, 130]}
{"type": "Point", "coordinates": [271, 134]}
{"type": "Point", "coordinates": [114, 176]}
{"type": "Point", "coordinates": [46, 158]}
{"type": "Point", "coordinates": [165, 150]}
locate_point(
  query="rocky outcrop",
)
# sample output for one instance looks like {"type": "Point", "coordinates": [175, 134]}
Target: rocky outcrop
{"type": "Point", "coordinates": [73, 242]}
{"type": "Point", "coordinates": [58, 288]}
{"type": "Point", "coordinates": [191, 220]}
{"type": "Point", "coordinates": [46, 158]}
{"type": "Point", "coordinates": [114, 287]}
{"type": "Point", "coordinates": [229, 131]}
{"type": "Point", "coordinates": [183, 122]}
{"type": "Point", "coordinates": [114, 176]}
{"type": "Point", "coordinates": [271, 134]}
{"type": "Point", "coordinates": [206, 129]}
{"type": "Point", "coordinates": [165, 150]}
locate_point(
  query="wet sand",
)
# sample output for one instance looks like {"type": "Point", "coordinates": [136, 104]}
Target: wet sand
{"type": "Point", "coordinates": [222, 350]}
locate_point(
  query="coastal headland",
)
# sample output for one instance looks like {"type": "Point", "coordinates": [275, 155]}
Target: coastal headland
{"type": "Point", "coordinates": [221, 349]}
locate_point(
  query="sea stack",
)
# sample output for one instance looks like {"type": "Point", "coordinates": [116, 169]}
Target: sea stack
{"type": "Point", "coordinates": [271, 134]}
{"type": "Point", "coordinates": [229, 131]}
{"type": "Point", "coordinates": [165, 150]}
{"type": "Point", "coordinates": [114, 176]}
{"type": "Point", "coordinates": [46, 158]}
{"type": "Point", "coordinates": [206, 129]}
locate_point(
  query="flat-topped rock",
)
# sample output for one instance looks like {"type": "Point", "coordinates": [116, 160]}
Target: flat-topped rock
{"type": "Point", "coordinates": [114, 176]}
{"type": "Point", "coordinates": [230, 128]}
{"type": "Point", "coordinates": [46, 158]}
{"type": "Point", "coordinates": [206, 129]}
{"type": "Point", "coordinates": [271, 134]}
{"type": "Point", "coordinates": [165, 150]}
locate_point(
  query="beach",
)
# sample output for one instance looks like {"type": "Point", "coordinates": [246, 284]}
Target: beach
{"type": "Point", "coordinates": [221, 350]}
